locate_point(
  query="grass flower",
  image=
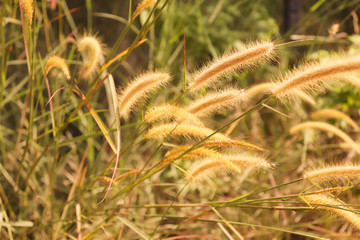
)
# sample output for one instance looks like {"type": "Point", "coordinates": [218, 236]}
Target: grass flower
{"type": "Point", "coordinates": [328, 128]}
{"type": "Point", "coordinates": [213, 167]}
{"type": "Point", "coordinates": [139, 89]}
{"type": "Point", "coordinates": [249, 56]}
{"type": "Point", "coordinates": [230, 143]}
{"type": "Point", "coordinates": [332, 113]}
{"type": "Point", "coordinates": [333, 174]}
{"type": "Point", "coordinates": [167, 112]}
{"type": "Point", "coordinates": [57, 62]}
{"type": "Point", "coordinates": [27, 6]}
{"type": "Point", "coordinates": [335, 206]}
{"type": "Point", "coordinates": [183, 129]}
{"type": "Point", "coordinates": [314, 77]}
{"type": "Point", "coordinates": [141, 6]}
{"type": "Point", "coordinates": [215, 102]}
{"type": "Point", "coordinates": [265, 88]}
{"type": "Point", "coordinates": [92, 51]}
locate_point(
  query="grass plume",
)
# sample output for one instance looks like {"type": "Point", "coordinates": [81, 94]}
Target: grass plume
{"type": "Point", "coordinates": [335, 206]}
{"type": "Point", "coordinates": [333, 174]}
{"type": "Point", "coordinates": [314, 77]}
{"type": "Point", "coordinates": [141, 6]}
{"type": "Point", "coordinates": [184, 129]}
{"type": "Point", "coordinates": [139, 89]}
{"type": "Point", "coordinates": [230, 143]}
{"type": "Point", "coordinates": [167, 112]}
{"type": "Point", "coordinates": [213, 167]}
{"type": "Point", "coordinates": [92, 51]}
{"type": "Point", "coordinates": [27, 6]}
{"type": "Point", "coordinates": [239, 59]}
{"type": "Point", "coordinates": [333, 113]}
{"type": "Point", "coordinates": [215, 102]}
{"type": "Point", "coordinates": [57, 62]}
{"type": "Point", "coordinates": [328, 128]}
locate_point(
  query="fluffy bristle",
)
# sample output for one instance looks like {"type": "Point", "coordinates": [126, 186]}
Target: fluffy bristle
{"type": "Point", "coordinates": [57, 62]}
{"type": "Point", "coordinates": [335, 206]}
{"type": "Point", "coordinates": [27, 6]}
{"type": "Point", "coordinates": [141, 6]}
{"type": "Point", "coordinates": [92, 52]}
{"type": "Point", "coordinates": [334, 174]}
{"type": "Point", "coordinates": [183, 129]}
{"type": "Point", "coordinates": [265, 88]}
{"type": "Point", "coordinates": [206, 169]}
{"type": "Point", "coordinates": [198, 152]}
{"type": "Point", "coordinates": [213, 167]}
{"type": "Point", "coordinates": [139, 89]}
{"type": "Point", "coordinates": [257, 89]}
{"type": "Point", "coordinates": [230, 143]}
{"type": "Point", "coordinates": [314, 77]}
{"type": "Point", "coordinates": [252, 54]}
{"type": "Point", "coordinates": [332, 113]}
{"type": "Point", "coordinates": [328, 128]}
{"type": "Point", "coordinates": [167, 112]}
{"type": "Point", "coordinates": [215, 102]}
{"type": "Point", "coordinates": [245, 160]}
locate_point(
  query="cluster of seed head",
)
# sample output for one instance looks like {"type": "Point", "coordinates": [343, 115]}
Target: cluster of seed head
{"type": "Point", "coordinates": [175, 122]}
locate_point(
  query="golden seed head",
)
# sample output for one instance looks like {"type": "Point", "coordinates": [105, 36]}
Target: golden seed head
{"type": "Point", "coordinates": [325, 127]}
{"type": "Point", "coordinates": [335, 174]}
{"type": "Point", "coordinates": [141, 7]}
{"type": "Point", "coordinates": [335, 206]}
{"type": "Point", "coordinates": [315, 77]}
{"type": "Point", "coordinates": [217, 101]}
{"type": "Point", "coordinates": [57, 62]}
{"type": "Point", "coordinates": [333, 113]}
{"type": "Point", "coordinates": [183, 129]}
{"type": "Point", "coordinates": [92, 51]}
{"type": "Point", "coordinates": [167, 112]}
{"type": "Point", "coordinates": [251, 55]}
{"type": "Point", "coordinates": [139, 89]}
{"type": "Point", "coordinates": [27, 6]}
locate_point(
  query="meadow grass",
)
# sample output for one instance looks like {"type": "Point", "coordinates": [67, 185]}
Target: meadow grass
{"type": "Point", "coordinates": [201, 140]}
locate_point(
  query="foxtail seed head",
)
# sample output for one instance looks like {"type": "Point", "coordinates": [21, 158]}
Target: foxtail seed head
{"type": "Point", "coordinates": [141, 6]}
{"type": "Point", "coordinates": [335, 206]}
{"type": "Point", "coordinates": [211, 167]}
{"type": "Point", "coordinates": [139, 89]}
{"type": "Point", "coordinates": [167, 112]}
{"type": "Point", "coordinates": [92, 51]}
{"type": "Point", "coordinates": [315, 77]}
{"type": "Point", "coordinates": [27, 6]}
{"type": "Point", "coordinates": [333, 113]}
{"type": "Point", "coordinates": [184, 130]}
{"type": "Point", "coordinates": [251, 55]}
{"type": "Point", "coordinates": [334, 174]}
{"type": "Point", "coordinates": [57, 62]}
{"type": "Point", "coordinates": [328, 128]}
{"type": "Point", "coordinates": [215, 102]}
{"type": "Point", "coordinates": [230, 143]}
